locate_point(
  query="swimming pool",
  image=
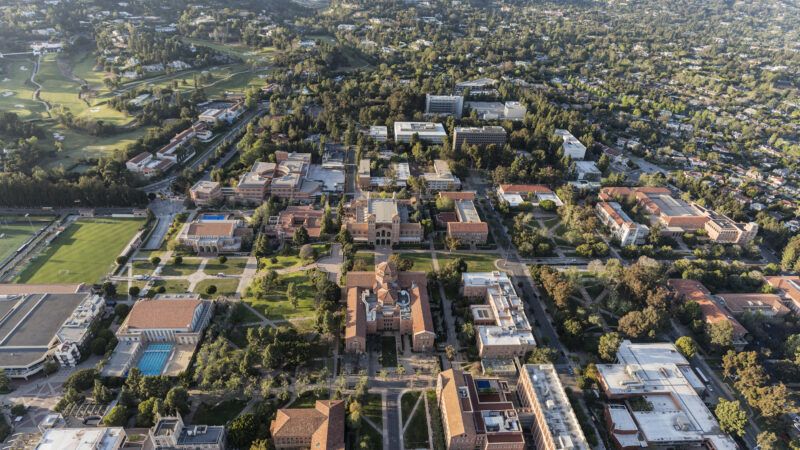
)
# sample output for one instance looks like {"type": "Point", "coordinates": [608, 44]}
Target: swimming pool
{"type": "Point", "coordinates": [154, 359]}
{"type": "Point", "coordinates": [213, 217]}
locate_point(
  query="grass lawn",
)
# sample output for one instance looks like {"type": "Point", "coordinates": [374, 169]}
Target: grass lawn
{"type": "Point", "coordinates": [225, 286]}
{"type": "Point", "coordinates": [422, 261]}
{"type": "Point", "coordinates": [16, 92]}
{"type": "Point", "coordinates": [388, 351]}
{"type": "Point", "coordinates": [367, 257]}
{"type": "Point", "coordinates": [15, 234]}
{"type": "Point", "coordinates": [416, 434]}
{"type": "Point", "coordinates": [307, 400]}
{"type": "Point", "coordinates": [476, 262]}
{"type": "Point", "coordinates": [186, 268]}
{"type": "Point", "coordinates": [84, 252]}
{"type": "Point", "coordinates": [233, 266]}
{"type": "Point", "coordinates": [172, 286]}
{"type": "Point", "coordinates": [436, 420]}
{"type": "Point", "coordinates": [276, 306]}
{"type": "Point", "coordinates": [407, 402]}
{"type": "Point", "coordinates": [78, 145]}
{"type": "Point", "coordinates": [220, 413]}
{"type": "Point", "coordinates": [142, 268]}
{"type": "Point", "coordinates": [281, 262]}
{"type": "Point", "coordinates": [61, 91]}
{"type": "Point", "coordinates": [373, 409]}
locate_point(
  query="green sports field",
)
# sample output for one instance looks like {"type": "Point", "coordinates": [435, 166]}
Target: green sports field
{"type": "Point", "coordinates": [83, 253]}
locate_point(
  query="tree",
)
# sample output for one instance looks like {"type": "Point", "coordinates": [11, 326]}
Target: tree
{"type": "Point", "coordinates": [732, 419]}
{"type": "Point", "coordinates": [117, 417]}
{"type": "Point", "coordinates": [450, 351]}
{"type": "Point", "coordinates": [686, 346]}
{"type": "Point", "coordinates": [452, 243]}
{"type": "Point", "coordinates": [155, 260]}
{"type": "Point", "coordinates": [306, 252]}
{"type": "Point", "coordinates": [121, 310]}
{"type": "Point", "coordinates": [100, 393]}
{"type": "Point", "coordinates": [720, 333]}
{"type": "Point", "coordinates": [608, 345]}
{"type": "Point", "coordinates": [222, 259]}
{"type": "Point", "coordinates": [99, 345]}
{"type": "Point", "coordinates": [542, 355]}
{"type": "Point", "coordinates": [211, 289]}
{"type": "Point", "coordinates": [4, 381]}
{"type": "Point", "coordinates": [767, 440]}
{"type": "Point", "coordinates": [18, 410]}
{"type": "Point", "coordinates": [177, 260]}
{"type": "Point", "coordinates": [261, 247]}
{"type": "Point", "coordinates": [300, 236]}
{"type": "Point", "coordinates": [133, 291]}
{"type": "Point", "coordinates": [402, 264]}
{"type": "Point", "coordinates": [177, 400]}
{"type": "Point", "coordinates": [121, 260]}
{"type": "Point", "coordinates": [261, 444]}
{"type": "Point", "coordinates": [109, 289]}
{"type": "Point", "coordinates": [291, 294]}
{"type": "Point", "coordinates": [792, 348]}
{"type": "Point", "coordinates": [81, 380]}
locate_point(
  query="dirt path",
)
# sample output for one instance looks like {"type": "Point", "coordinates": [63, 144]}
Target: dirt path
{"type": "Point", "coordinates": [39, 86]}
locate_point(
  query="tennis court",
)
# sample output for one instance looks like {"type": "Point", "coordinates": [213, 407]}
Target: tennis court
{"type": "Point", "coordinates": [154, 359]}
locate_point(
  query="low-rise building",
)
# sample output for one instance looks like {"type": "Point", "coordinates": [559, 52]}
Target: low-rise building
{"type": "Point", "coordinates": [382, 222]}
{"type": "Point", "coordinates": [320, 427]}
{"type": "Point", "coordinates": [229, 114]}
{"type": "Point", "coordinates": [479, 136]}
{"type": "Point", "coordinates": [498, 111]}
{"type": "Point", "coordinates": [788, 288]}
{"type": "Point", "coordinates": [295, 178]}
{"type": "Point", "coordinates": [517, 194]}
{"type": "Point", "coordinates": [379, 133]}
{"type": "Point", "coordinates": [43, 322]}
{"type": "Point", "coordinates": [102, 438]}
{"type": "Point", "coordinates": [284, 225]}
{"type": "Point", "coordinates": [692, 290]}
{"type": "Point", "coordinates": [444, 105]}
{"type": "Point", "coordinates": [621, 225]}
{"type": "Point", "coordinates": [253, 185]}
{"type": "Point", "coordinates": [477, 413]}
{"type": "Point", "coordinates": [679, 216]}
{"type": "Point", "coordinates": [387, 300]}
{"type": "Point", "coordinates": [654, 402]}
{"type": "Point", "coordinates": [430, 132]}
{"type": "Point", "coordinates": [206, 192]}
{"type": "Point", "coordinates": [769, 305]}
{"type": "Point", "coordinates": [170, 433]}
{"type": "Point", "coordinates": [212, 236]}
{"type": "Point", "coordinates": [555, 425]}
{"type": "Point", "coordinates": [503, 329]}
{"type": "Point", "coordinates": [571, 145]}
{"type": "Point", "coordinates": [469, 229]}
{"type": "Point", "coordinates": [442, 178]}
{"type": "Point", "coordinates": [146, 164]}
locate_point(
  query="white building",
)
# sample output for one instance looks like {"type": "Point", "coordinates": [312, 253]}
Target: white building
{"type": "Point", "coordinates": [555, 424]}
{"type": "Point", "coordinates": [621, 225]}
{"type": "Point", "coordinates": [82, 439]}
{"type": "Point", "coordinates": [444, 105]}
{"type": "Point", "coordinates": [430, 132]}
{"type": "Point", "coordinates": [503, 329]}
{"type": "Point", "coordinates": [442, 178]}
{"type": "Point", "coordinates": [675, 415]}
{"type": "Point", "coordinates": [497, 110]}
{"type": "Point", "coordinates": [571, 145]}
{"type": "Point", "coordinates": [379, 133]}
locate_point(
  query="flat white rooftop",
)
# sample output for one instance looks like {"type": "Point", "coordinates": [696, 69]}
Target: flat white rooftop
{"type": "Point", "coordinates": [561, 421]}
{"type": "Point", "coordinates": [82, 439]}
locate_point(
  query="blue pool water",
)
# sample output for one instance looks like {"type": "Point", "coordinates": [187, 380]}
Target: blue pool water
{"type": "Point", "coordinates": [154, 359]}
{"type": "Point", "coordinates": [213, 217]}
{"type": "Point", "coordinates": [482, 384]}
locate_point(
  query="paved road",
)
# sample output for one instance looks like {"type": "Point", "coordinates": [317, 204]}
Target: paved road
{"type": "Point", "coordinates": [225, 140]}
